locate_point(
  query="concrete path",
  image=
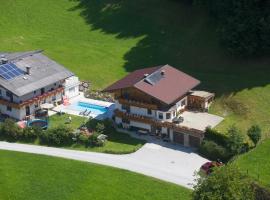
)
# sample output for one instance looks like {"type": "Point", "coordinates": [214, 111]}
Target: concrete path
{"type": "Point", "coordinates": [172, 163]}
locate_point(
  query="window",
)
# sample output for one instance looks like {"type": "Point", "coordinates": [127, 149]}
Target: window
{"type": "Point", "coordinates": [168, 115]}
{"type": "Point", "coordinates": [126, 108]}
{"type": "Point", "coordinates": [160, 115]}
{"type": "Point", "coordinates": [71, 90]}
{"type": "Point", "coordinates": [53, 98]}
{"type": "Point", "coordinates": [36, 105]}
{"type": "Point", "coordinates": [42, 90]}
{"type": "Point", "coordinates": [174, 113]}
{"type": "Point", "coordinates": [183, 103]}
{"type": "Point", "coordinates": [0, 93]}
{"type": "Point", "coordinates": [149, 111]}
{"type": "Point", "coordinates": [126, 121]}
{"type": "Point", "coordinates": [9, 108]}
{"type": "Point", "coordinates": [8, 94]}
{"type": "Point", "coordinates": [35, 92]}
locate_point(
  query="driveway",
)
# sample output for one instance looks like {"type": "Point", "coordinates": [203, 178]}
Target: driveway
{"type": "Point", "coordinates": [169, 163]}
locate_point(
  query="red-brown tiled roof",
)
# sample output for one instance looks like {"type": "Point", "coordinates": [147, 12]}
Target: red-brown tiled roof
{"type": "Point", "coordinates": [131, 79]}
{"type": "Point", "coordinates": [166, 88]}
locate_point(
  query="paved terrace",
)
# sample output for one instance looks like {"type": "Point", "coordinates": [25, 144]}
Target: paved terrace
{"type": "Point", "coordinates": [200, 120]}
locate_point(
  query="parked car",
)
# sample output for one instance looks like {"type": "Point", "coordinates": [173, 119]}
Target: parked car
{"type": "Point", "coordinates": [207, 168]}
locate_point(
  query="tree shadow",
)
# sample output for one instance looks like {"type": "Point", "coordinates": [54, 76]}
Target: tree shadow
{"type": "Point", "coordinates": [176, 33]}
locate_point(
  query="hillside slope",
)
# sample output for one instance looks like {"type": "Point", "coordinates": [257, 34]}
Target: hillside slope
{"type": "Point", "coordinates": [101, 41]}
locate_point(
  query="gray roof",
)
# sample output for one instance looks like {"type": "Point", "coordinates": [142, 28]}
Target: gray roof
{"type": "Point", "coordinates": [44, 72]}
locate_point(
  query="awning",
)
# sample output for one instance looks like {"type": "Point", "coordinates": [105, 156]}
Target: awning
{"type": "Point", "coordinates": [46, 106]}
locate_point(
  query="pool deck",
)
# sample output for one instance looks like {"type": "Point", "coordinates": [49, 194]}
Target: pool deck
{"type": "Point", "coordinates": [65, 109]}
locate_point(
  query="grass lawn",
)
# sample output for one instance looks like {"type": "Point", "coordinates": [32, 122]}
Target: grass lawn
{"type": "Point", "coordinates": [257, 163]}
{"type": "Point", "coordinates": [118, 143]}
{"type": "Point", "coordinates": [103, 40]}
{"type": "Point", "coordinates": [59, 120]}
{"type": "Point", "coordinates": [29, 176]}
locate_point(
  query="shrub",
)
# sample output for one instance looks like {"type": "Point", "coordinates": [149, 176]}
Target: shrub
{"type": "Point", "coordinates": [225, 182]}
{"type": "Point", "coordinates": [213, 151]}
{"type": "Point", "coordinates": [235, 140]}
{"type": "Point", "coordinates": [83, 139]}
{"type": "Point", "coordinates": [94, 141]}
{"type": "Point", "coordinates": [255, 134]}
{"type": "Point", "coordinates": [10, 130]}
{"type": "Point", "coordinates": [31, 133]}
{"type": "Point", "coordinates": [219, 138]}
{"type": "Point", "coordinates": [100, 128]}
{"type": "Point", "coordinates": [60, 135]}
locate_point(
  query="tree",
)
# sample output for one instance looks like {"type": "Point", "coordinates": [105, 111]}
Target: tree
{"type": "Point", "coordinates": [235, 140]}
{"type": "Point", "coordinates": [224, 183]}
{"type": "Point", "coordinates": [243, 25]}
{"type": "Point", "coordinates": [255, 134]}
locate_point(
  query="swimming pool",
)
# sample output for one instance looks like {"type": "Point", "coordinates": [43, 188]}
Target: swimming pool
{"type": "Point", "coordinates": [82, 106]}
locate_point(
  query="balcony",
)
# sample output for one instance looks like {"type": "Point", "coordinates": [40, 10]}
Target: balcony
{"type": "Point", "coordinates": [156, 123]}
{"type": "Point", "coordinates": [137, 104]}
{"type": "Point", "coordinates": [33, 100]}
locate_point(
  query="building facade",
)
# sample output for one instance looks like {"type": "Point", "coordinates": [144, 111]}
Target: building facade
{"type": "Point", "coordinates": [152, 100]}
{"type": "Point", "coordinates": [30, 79]}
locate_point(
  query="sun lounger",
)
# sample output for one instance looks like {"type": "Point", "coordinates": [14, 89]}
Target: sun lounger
{"type": "Point", "coordinates": [89, 113]}
{"type": "Point", "coordinates": [83, 112]}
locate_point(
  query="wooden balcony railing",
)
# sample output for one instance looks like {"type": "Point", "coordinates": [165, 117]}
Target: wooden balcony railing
{"type": "Point", "coordinates": [154, 122]}
{"type": "Point", "coordinates": [33, 100]}
{"type": "Point", "coordinates": [137, 104]}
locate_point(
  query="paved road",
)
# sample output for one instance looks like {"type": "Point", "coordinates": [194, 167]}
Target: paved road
{"type": "Point", "coordinates": [173, 164]}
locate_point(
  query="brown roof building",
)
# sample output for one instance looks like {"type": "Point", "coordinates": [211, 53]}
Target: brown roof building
{"type": "Point", "coordinates": [164, 83]}
{"type": "Point", "coordinates": [152, 100]}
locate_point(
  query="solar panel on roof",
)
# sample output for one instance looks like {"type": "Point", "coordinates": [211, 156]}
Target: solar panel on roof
{"type": "Point", "coordinates": [154, 78]}
{"type": "Point", "coordinates": [9, 71]}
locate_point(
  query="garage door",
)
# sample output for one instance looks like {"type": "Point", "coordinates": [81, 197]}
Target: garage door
{"type": "Point", "coordinates": [194, 141]}
{"type": "Point", "coordinates": [178, 138]}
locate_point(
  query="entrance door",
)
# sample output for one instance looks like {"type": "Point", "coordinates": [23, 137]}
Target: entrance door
{"type": "Point", "coordinates": [27, 110]}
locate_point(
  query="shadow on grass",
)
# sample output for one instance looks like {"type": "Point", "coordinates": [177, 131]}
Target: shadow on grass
{"type": "Point", "coordinates": [176, 33]}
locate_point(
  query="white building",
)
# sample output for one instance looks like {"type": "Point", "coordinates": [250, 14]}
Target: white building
{"type": "Point", "coordinates": [152, 100]}
{"type": "Point", "coordinates": [30, 79]}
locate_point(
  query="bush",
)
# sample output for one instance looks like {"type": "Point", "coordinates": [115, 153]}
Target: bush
{"type": "Point", "coordinates": [31, 133]}
{"type": "Point", "coordinates": [235, 141]}
{"type": "Point", "coordinates": [94, 141]}
{"type": "Point", "coordinates": [84, 139]}
{"type": "Point", "coordinates": [100, 128]}
{"type": "Point", "coordinates": [10, 130]}
{"type": "Point", "coordinates": [213, 151]}
{"type": "Point", "coordinates": [61, 135]}
{"type": "Point", "coordinates": [219, 138]}
{"type": "Point", "coordinates": [255, 134]}
{"type": "Point", "coordinates": [225, 182]}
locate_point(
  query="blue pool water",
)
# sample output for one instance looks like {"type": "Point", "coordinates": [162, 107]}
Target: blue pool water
{"type": "Point", "coordinates": [95, 109]}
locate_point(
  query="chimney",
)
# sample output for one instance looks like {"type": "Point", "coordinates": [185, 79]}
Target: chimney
{"type": "Point", "coordinates": [28, 69]}
{"type": "Point", "coordinates": [162, 72]}
{"type": "Point", "coordinates": [3, 60]}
